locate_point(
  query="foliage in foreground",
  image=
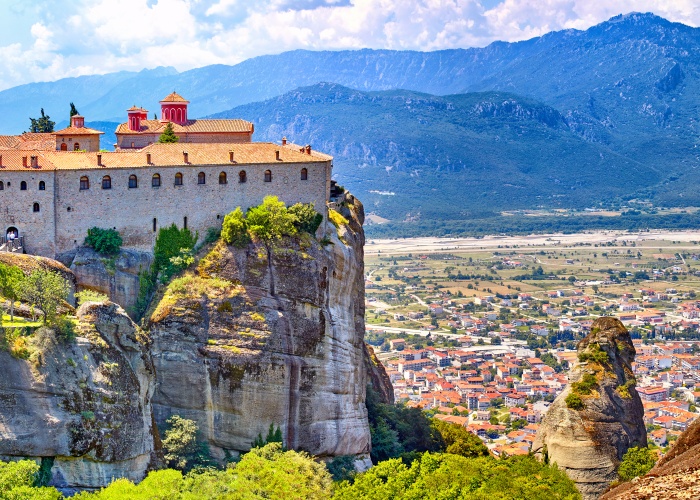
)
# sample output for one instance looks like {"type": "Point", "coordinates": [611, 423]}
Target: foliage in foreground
{"type": "Point", "coordinates": [454, 477]}
{"type": "Point", "coordinates": [636, 462]}
{"type": "Point", "coordinates": [182, 450]}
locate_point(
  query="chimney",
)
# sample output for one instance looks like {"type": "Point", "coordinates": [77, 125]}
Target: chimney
{"type": "Point", "coordinates": [99, 160]}
{"type": "Point", "coordinates": [148, 158]}
{"type": "Point", "coordinates": [186, 155]}
{"type": "Point", "coordinates": [24, 161]}
{"type": "Point", "coordinates": [308, 149]}
{"type": "Point", "coordinates": [277, 155]}
{"type": "Point", "coordinates": [284, 141]}
{"type": "Point", "coordinates": [230, 156]}
{"type": "Point", "coordinates": [35, 161]}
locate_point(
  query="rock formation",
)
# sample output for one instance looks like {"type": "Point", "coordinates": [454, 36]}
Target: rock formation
{"type": "Point", "coordinates": [236, 354]}
{"type": "Point", "coordinates": [599, 415]}
{"type": "Point", "coordinates": [675, 476]}
{"type": "Point", "coordinates": [378, 378]}
{"type": "Point", "coordinates": [83, 407]}
{"type": "Point", "coordinates": [117, 277]}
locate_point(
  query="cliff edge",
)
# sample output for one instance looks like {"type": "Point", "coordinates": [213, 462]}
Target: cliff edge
{"type": "Point", "coordinates": [82, 407]}
{"type": "Point", "coordinates": [599, 415]}
{"type": "Point", "coordinates": [236, 353]}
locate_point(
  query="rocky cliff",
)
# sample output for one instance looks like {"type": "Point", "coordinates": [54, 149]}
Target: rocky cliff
{"type": "Point", "coordinates": [242, 342]}
{"type": "Point", "coordinates": [117, 276]}
{"type": "Point", "coordinates": [83, 406]}
{"type": "Point", "coordinates": [599, 415]}
{"type": "Point", "coordinates": [675, 476]}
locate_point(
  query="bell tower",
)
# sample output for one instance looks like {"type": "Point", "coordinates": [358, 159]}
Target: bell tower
{"type": "Point", "coordinates": [174, 109]}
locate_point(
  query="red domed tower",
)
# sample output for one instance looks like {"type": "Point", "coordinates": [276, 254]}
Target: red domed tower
{"type": "Point", "coordinates": [135, 116]}
{"type": "Point", "coordinates": [174, 109]}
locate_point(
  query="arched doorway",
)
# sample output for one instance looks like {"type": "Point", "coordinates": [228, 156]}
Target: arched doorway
{"type": "Point", "coordinates": [11, 233]}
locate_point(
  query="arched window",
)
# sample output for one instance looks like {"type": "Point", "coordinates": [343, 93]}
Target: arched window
{"type": "Point", "coordinates": [2, 185]}
{"type": "Point", "coordinates": [304, 174]}
{"type": "Point", "coordinates": [23, 186]}
{"type": "Point", "coordinates": [178, 179]}
{"type": "Point", "coordinates": [201, 178]}
{"type": "Point", "coordinates": [64, 146]}
{"type": "Point", "coordinates": [133, 182]}
{"type": "Point", "coordinates": [155, 181]}
{"type": "Point", "coordinates": [84, 183]}
{"type": "Point", "coordinates": [242, 176]}
{"type": "Point", "coordinates": [42, 186]}
{"type": "Point", "coordinates": [222, 178]}
{"type": "Point", "coordinates": [268, 176]}
{"type": "Point", "coordinates": [106, 182]}
{"type": "Point", "coordinates": [76, 146]}
{"type": "Point", "coordinates": [35, 208]}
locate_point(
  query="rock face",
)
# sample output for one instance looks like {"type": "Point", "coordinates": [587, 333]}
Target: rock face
{"type": "Point", "coordinates": [590, 425]}
{"type": "Point", "coordinates": [116, 277]}
{"type": "Point", "coordinates": [83, 407]}
{"type": "Point", "coordinates": [675, 476]}
{"type": "Point", "coordinates": [259, 336]}
{"type": "Point", "coordinates": [381, 383]}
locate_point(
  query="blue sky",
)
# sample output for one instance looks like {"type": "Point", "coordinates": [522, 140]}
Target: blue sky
{"type": "Point", "coordinates": [44, 40]}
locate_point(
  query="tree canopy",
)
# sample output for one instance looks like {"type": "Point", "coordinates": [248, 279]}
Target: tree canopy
{"type": "Point", "coordinates": [168, 135]}
{"type": "Point", "coordinates": [73, 110]}
{"type": "Point", "coordinates": [42, 124]}
{"type": "Point", "coordinates": [636, 462]}
{"type": "Point", "coordinates": [10, 279]}
{"type": "Point", "coordinates": [270, 220]}
{"type": "Point", "coordinates": [44, 289]}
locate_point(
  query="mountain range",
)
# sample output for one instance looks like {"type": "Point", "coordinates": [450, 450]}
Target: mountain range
{"type": "Point", "coordinates": [571, 119]}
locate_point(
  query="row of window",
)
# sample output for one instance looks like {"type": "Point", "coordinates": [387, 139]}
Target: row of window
{"type": "Point", "coordinates": [23, 185]}
{"type": "Point", "coordinates": [76, 146]}
{"type": "Point", "coordinates": [156, 181]}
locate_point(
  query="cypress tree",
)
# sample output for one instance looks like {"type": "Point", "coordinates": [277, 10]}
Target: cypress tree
{"type": "Point", "coordinates": [168, 135]}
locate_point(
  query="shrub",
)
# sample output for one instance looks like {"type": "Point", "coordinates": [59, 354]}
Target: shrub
{"type": "Point", "coordinates": [574, 402]}
{"type": "Point", "coordinates": [307, 219]}
{"type": "Point", "coordinates": [213, 234]}
{"type": "Point", "coordinates": [586, 385]}
{"type": "Point", "coordinates": [65, 329]}
{"type": "Point", "coordinates": [103, 241]}
{"type": "Point", "coordinates": [234, 230]}
{"type": "Point", "coordinates": [273, 436]}
{"type": "Point", "coordinates": [169, 242]}
{"type": "Point", "coordinates": [182, 449]}
{"type": "Point", "coordinates": [270, 220]}
{"type": "Point", "coordinates": [336, 218]}
{"type": "Point", "coordinates": [636, 462]}
{"type": "Point", "coordinates": [594, 353]}
{"type": "Point", "coordinates": [342, 468]}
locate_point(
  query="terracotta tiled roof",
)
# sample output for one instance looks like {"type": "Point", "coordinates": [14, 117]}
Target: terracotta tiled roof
{"type": "Point", "coordinates": [135, 108]}
{"type": "Point", "coordinates": [162, 155]}
{"type": "Point", "coordinates": [78, 131]}
{"type": "Point", "coordinates": [8, 141]}
{"type": "Point", "coordinates": [191, 126]}
{"type": "Point", "coordinates": [174, 97]}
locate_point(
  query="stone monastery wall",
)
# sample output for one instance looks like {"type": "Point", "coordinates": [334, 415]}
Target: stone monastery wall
{"type": "Point", "coordinates": [66, 211]}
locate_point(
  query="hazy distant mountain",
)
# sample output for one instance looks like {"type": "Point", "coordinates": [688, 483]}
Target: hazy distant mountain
{"type": "Point", "coordinates": [406, 153]}
{"type": "Point", "coordinates": [639, 55]}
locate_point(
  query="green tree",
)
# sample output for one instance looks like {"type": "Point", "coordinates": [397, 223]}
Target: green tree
{"type": "Point", "coordinates": [273, 436]}
{"type": "Point", "coordinates": [41, 125]}
{"type": "Point", "coordinates": [73, 110]}
{"type": "Point", "coordinates": [10, 279]}
{"type": "Point", "coordinates": [234, 229]}
{"type": "Point", "coordinates": [19, 481]}
{"type": "Point", "coordinates": [444, 475]}
{"type": "Point", "coordinates": [169, 242]}
{"type": "Point", "coordinates": [267, 223]}
{"type": "Point", "coordinates": [46, 290]}
{"type": "Point", "coordinates": [307, 218]}
{"type": "Point", "coordinates": [181, 448]}
{"type": "Point", "coordinates": [636, 462]}
{"type": "Point", "coordinates": [459, 441]}
{"type": "Point", "coordinates": [168, 135]}
{"type": "Point", "coordinates": [103, 241]}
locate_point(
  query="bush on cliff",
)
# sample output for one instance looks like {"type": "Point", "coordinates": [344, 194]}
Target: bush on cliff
{"type": "Point", "coordinates": [103, 241]}
{"type": "Point", "coordinates": [307, 218]}
{"type": "Point", "coordinates": [234, 230]}
{"type": "Point", "coordinates": [459, 441]}
{"type": "Point", "coordinates": [183, 451]}
{"type": "Point", "coordinates": [45, 290]}
{"type": "Point", "coordinates": [443, 475]}
{"type": "Point", "coordinates": [636, 462]}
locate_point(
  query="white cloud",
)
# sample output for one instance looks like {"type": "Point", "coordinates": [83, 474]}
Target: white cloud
{"type": "Point", "coordinates": [73, 37]}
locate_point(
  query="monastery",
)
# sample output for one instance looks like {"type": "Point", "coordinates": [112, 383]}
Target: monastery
{"type": "Point", "coordinates": [55, 186]}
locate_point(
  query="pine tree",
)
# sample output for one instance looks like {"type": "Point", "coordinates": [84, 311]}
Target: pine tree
{"type": "Point", "coordinates": [155, 116]}
{"type": "Point", "coordinates": [73, 110]}
{"type": "Point", "coordinates": [43, 124]}
{"type": "Point", "coordinates": [168, 135]}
